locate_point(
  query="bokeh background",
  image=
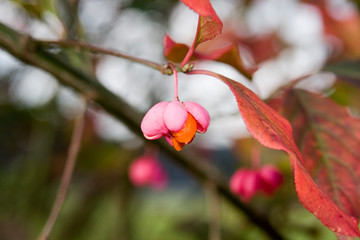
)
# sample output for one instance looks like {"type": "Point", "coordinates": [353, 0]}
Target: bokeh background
{"type": "Point", "coordinates": [286, 39]}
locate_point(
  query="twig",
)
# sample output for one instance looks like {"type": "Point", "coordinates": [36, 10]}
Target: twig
{"type": "Point", "coordinates": [163, 68]}
{"type": "Point", "coordinates": [66, 177]}
{"type": "Point", "coordinates": [213, 206]}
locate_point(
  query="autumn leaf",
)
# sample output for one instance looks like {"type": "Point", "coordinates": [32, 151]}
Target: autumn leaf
{"type": "Point", "coordinates": [329, 139]}
{"type": "Point", "coordinates": [274, 131]}
{"type": "Point", "coordinates": [230, 55]}
{"type": "Point", "coordinates": [207, 29]}
{"type": "Point", "coordinates": [209, 24]}
{"type": "Point", "coordinates": [203, 8]}
{"type": "Point", "coordinates": [263, 47]}
{"type": "Point", "coordinates": [174, 52]}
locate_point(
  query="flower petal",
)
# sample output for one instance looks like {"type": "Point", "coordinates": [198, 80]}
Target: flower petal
{"type": "Point", "coordinates": [175, 116]}
{"type": "Point", "coordinates": [153, 125]}
{"type": "Point", "coordinates": [200, 114]}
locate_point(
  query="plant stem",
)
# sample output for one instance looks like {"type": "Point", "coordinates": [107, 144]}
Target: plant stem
{"type": "Point", "coordinates": [176, 96]}
{"type": "Point", "coordinates": [188, 55]}
{"type": "Point", "coordinates": [213, 206]}
{"type": "Point", "coordinates": [66, 177]}
{"type": "Point", "coordinates": [256, 156]}
{"type": "Point", "coordinates": [164, 69]}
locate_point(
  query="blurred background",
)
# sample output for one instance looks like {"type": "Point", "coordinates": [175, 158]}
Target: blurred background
{"type": "Point", "coordinates": [285, 39]}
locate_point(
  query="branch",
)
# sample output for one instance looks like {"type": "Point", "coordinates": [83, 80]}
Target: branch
{"type": "Point", "coordinates": [164, 69]}
{"type": "Point", "coordinates": [25, 49]}
{"type": "Point", "coordinates": [66, 177]}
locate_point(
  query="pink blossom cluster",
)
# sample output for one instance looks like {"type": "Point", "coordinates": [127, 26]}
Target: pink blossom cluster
{"type": "Point", "coordinates": [245, 183]}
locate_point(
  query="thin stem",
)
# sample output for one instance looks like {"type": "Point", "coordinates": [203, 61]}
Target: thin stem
{"type": "Point", "coordinates": [213, 206]}
{"type": "Point", "coordinates": [192, 48]}
{"type": "Point", "coordinates": [95, 49]}
{"type": "Point", "coordinates": [256, 156]}
{"type": "Point", "coordinates": [188, 55]}
{"type": "Point", "coordinates": [176, 96]}
{"type": "Point", "coordinates": [66, 177]}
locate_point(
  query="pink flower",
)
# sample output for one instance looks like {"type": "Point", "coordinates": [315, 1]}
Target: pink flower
{"type": "Point", "coordinates": [245, 183]}
{"type": "Point", "coordinates": [270, 179]}
{"type": "Point", "coordinates": [147, 170]}
{"type": "Point", "coordinates": [177, 122]}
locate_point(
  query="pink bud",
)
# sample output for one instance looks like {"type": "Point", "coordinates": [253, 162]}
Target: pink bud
{"type": "Point", "coordinates": [245, 183]}
{"type": "Point", "coordinates": [146, 170]}
{"type": "Point", "coordinates": [270, 179]}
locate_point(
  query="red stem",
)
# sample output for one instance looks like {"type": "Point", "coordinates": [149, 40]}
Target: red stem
{"type": "Point", "coordinates": [188, 55]}
{"type": "Point", "coordinates": [176, 96]}
{"type": "Point", "coordinates": [192, 48]}
{"type": "Point", "coordinates": [256, 156]}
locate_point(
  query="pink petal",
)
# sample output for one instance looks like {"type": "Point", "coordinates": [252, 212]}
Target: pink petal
{"type": "Point", "coordinates": [175, 116]}
{"type": "Point", "coordinates": [200, 114]}
{"type": "Point", "coordinates": [152, 125]}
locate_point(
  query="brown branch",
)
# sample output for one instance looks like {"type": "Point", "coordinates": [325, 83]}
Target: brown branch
{"type": "Point", "coordinates": [66, 177]}
{"type": "Point", "coordinates": [163, 68]}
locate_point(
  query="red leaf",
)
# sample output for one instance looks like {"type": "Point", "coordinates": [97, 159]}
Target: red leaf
{"type": "Point", "coordinates": [209, 24]}
{"type": "Point", "coordinates": [329, 139]}
{"type": "Point", "coordinates": [274, 131]}
{"type": "Point", "coordinates": [207, 29]}
{"type": "Point", "coordinates": [203, 8]}
{"type": "Point", "coordinates": [331, 150]}
{"type": "Point", "coordinates": [174, 52]}
{"type": "Point", "coordinates": [231, 56]}
{"type": "Point", "coordinates": [318, 203]}
{"type": "Point", "coordinates": [264, 47]}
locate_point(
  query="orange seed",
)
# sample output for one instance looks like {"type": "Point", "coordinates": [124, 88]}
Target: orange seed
{"type": "Point", "coordinates": [187, 133]}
